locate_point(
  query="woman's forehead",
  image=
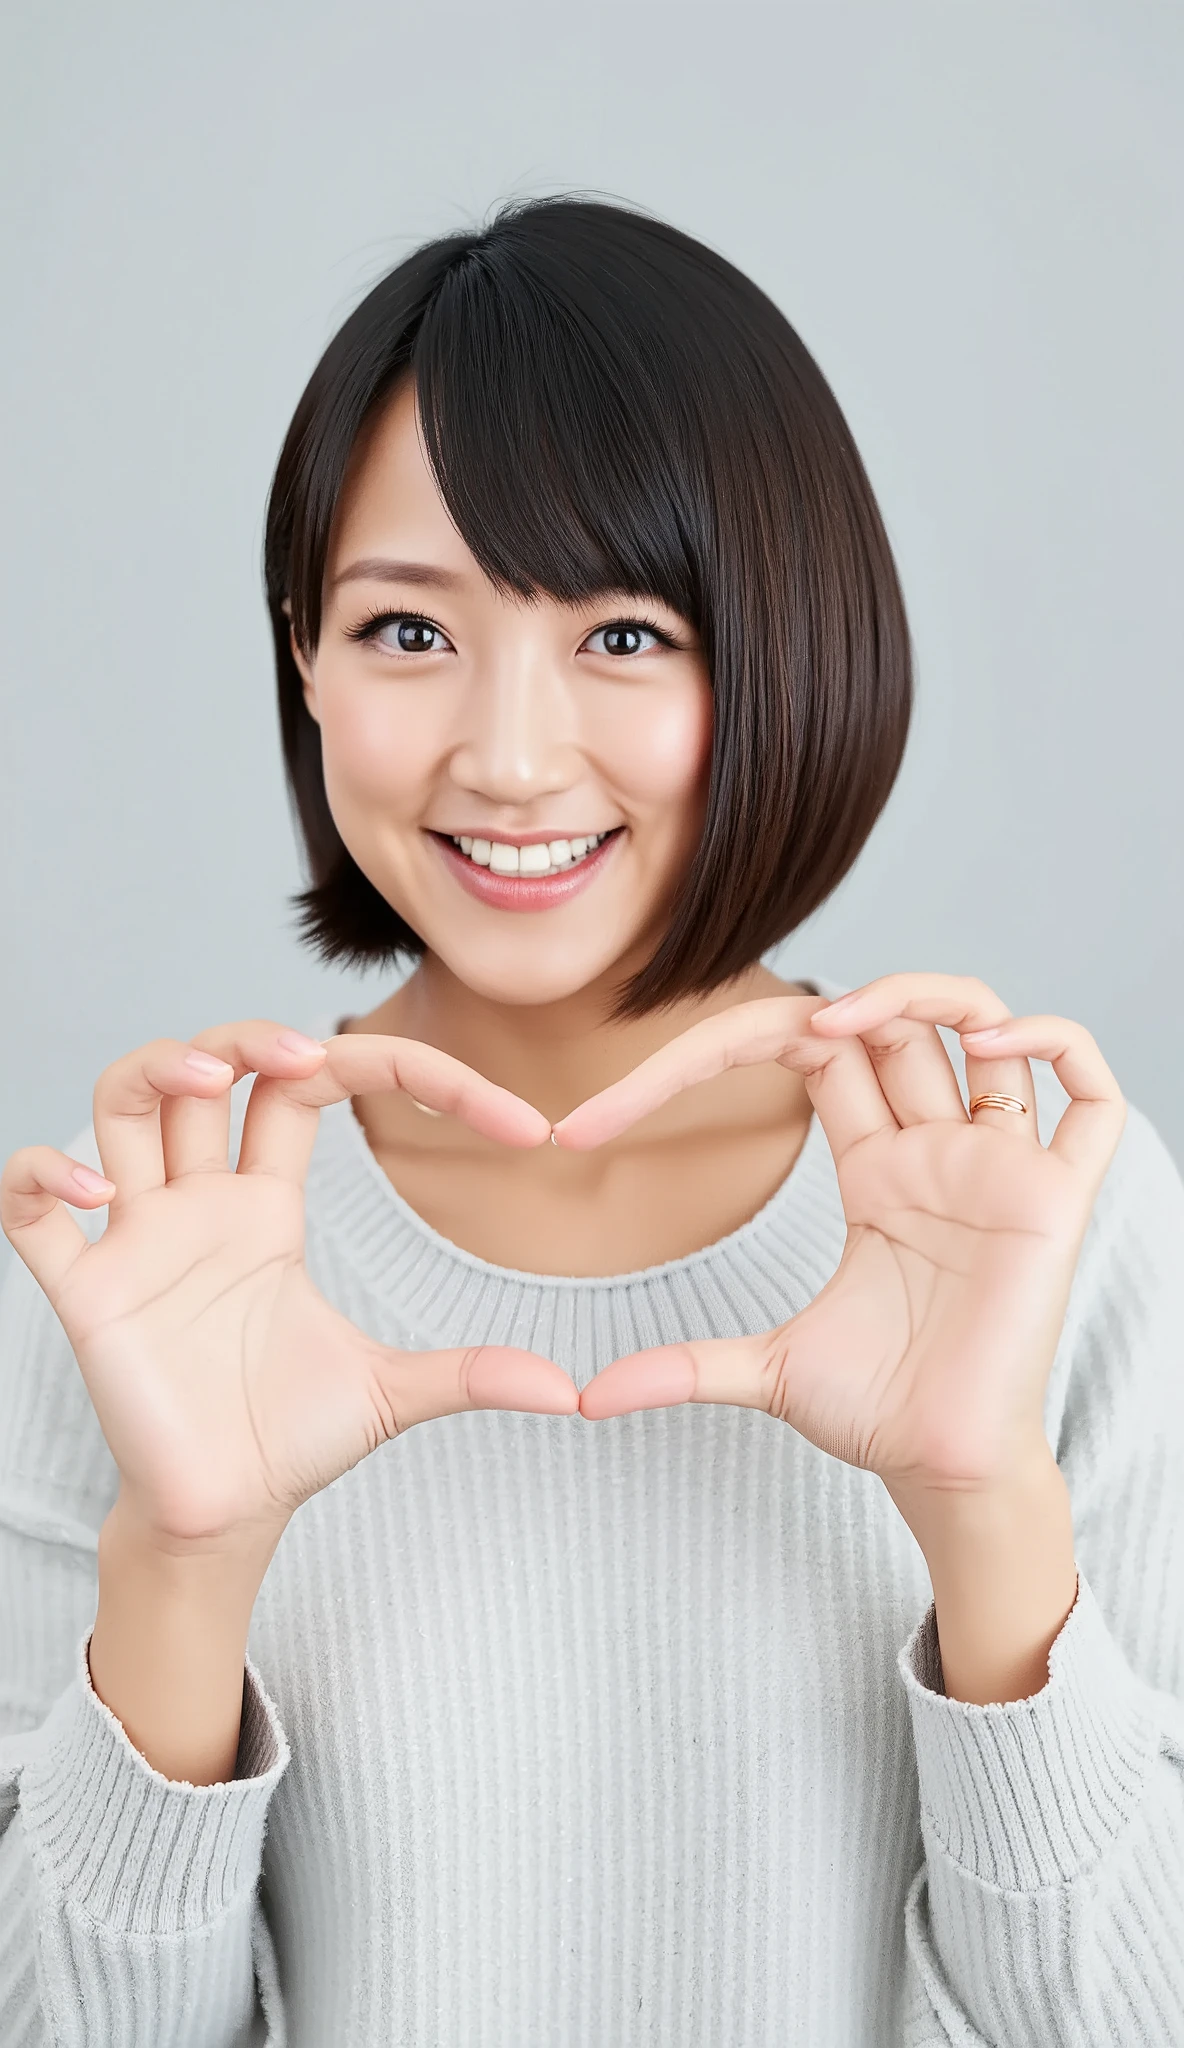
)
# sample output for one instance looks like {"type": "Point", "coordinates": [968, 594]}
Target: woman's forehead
{"type": "Point", "coordinates": [389, 489]}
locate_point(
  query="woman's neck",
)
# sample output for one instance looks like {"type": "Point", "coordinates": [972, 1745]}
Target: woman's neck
{"type": "Point", "coordinates": [685, 1176]}
{"type": "Point", "coordinates": [557, 1054]}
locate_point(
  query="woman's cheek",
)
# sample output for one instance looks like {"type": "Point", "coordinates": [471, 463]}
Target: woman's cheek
{"type": "Point", "coordinates": [658, 746]}
{"type": "Point", "coordinates": [377, 749]}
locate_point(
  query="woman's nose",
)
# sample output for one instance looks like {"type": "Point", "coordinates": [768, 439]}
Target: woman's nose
{"type": "Point", "coordinates": [517, 739]}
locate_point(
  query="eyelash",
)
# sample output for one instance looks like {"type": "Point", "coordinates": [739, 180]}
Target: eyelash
{"type": "Point", "coordinates": [369, 628]}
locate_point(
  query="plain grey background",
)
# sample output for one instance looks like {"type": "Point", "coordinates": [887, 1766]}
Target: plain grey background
{"type": "Point", "coordinates": [972, 215]}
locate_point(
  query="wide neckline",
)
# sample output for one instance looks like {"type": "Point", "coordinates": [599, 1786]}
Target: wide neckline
{"type": "Point", "coordinates": [390, 1236]}
{"type": "Point", "coordinates": [355, 1140]}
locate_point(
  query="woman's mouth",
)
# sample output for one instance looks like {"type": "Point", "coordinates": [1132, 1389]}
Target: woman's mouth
{"type": "Point", "coordinates": [534, 877]}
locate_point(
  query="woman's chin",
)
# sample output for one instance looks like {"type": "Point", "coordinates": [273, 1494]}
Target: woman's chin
{"type": "Point", "coordinates": [526, 978]}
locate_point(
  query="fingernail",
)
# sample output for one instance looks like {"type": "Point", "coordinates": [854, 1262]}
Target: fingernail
{"type": "Point", "coordinates": [295, 1041]}
{"type": "Point", "coordinates": [989, 1031]}
{"type": "Point", "coordinates": [93, 1183]}
{"type": "Point", "coordinates": [205, 1063]}
{"type": "Point", "coordinates": [840, 1003]}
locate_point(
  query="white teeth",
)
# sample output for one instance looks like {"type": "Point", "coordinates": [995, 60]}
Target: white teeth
{"type": "Point", "coordinates": [545, 857]}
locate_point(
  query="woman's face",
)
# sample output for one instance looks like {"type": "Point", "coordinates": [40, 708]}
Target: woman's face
{"type": "Point", "coordinates": [473, 743]}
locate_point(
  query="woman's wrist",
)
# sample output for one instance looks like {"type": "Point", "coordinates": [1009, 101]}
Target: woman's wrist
{"type": "Point", "coordinates": [167, 1651]}
{"type": "Point", "coordinates": [1003, 1569]}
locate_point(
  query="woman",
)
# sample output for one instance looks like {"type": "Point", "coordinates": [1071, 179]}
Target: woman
{"type": "Point", "coordinates": [771, 1631]}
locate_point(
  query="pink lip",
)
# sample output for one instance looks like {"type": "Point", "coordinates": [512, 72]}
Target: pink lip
{"type": "Point", "coordinates": [513, 892]}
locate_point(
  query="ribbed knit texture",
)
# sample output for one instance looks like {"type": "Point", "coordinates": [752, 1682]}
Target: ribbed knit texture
{"type": "Point", "coordinates": [593, 1735]}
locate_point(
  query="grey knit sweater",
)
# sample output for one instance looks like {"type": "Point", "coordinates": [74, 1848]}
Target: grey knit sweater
{"type": "Point", "coordinates": [593, 1735]}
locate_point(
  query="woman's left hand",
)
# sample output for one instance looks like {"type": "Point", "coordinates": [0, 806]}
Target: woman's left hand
{"type": "Point", "coordinates": [925, 1358]}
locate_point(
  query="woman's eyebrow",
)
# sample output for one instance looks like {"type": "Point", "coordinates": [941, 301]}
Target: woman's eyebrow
{"type": "Point", "coordinates": [379, 569]}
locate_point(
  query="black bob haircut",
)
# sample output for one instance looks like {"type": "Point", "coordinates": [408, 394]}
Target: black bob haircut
{"type": "Point", "coordinates": [609, 405]}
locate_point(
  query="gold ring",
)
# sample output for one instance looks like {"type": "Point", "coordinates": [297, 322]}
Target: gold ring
{"type": "Point", "coordinates": [998, 1102]}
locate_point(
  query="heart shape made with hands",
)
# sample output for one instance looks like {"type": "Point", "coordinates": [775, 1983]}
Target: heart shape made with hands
{"type": "Point", "coordinates": [925, 1358]}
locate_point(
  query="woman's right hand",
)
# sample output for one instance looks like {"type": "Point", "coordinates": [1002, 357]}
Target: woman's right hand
{"type": "Point", "coordinates": [228, 1389]}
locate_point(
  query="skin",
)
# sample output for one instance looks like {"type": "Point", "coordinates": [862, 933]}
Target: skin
{"type": "Point", "coordinates": [516, 717]}
{"type": "Point", "coordinates": [927, 1355]}
{"type": "Point", "coordinates": [230, 1391]}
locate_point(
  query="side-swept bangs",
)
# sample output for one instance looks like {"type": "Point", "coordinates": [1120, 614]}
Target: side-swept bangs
{"type": "Point", "coordinates": [609, 405]}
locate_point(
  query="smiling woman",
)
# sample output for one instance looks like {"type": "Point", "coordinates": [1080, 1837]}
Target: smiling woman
{"type": "Point", "coordinates": [775, 1634]}
{"type": "Point", "coordinates": [451, 710]}
{"type": "Point", "coordinates": [584, 437]}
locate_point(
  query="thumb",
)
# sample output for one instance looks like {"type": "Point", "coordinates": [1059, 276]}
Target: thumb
{"type": "Point", "coordinates": [417, 1386]}
{"type": "Point", "coordinates": [35, 1186]}
{"type": "Point", "coordinates": [732, 1370]}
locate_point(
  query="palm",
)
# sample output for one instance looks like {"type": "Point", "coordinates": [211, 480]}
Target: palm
{"type": "Point", "coordinates": [925, 1357]}
{"type": "Point", "coordinates": [228, 1390]}
{"type": "Point", "coordinates": [959, 1255]}
{"type": "Point", "coordinates": [225, 1382]}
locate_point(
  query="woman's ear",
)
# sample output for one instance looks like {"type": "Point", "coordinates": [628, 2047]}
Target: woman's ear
{"type": "Point", "coordinates": [302, 665]}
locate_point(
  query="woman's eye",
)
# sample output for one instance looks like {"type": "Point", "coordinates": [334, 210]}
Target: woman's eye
{"type": "Point", "coordinates": [414, 636]}
{"type": "Point", "coordinates": [400, 633]}
{"type": "Point", "coordinates": [624, 636]}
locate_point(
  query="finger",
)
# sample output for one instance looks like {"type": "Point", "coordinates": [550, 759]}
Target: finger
{"type": "Point", "coordinates": [959, 1001]}
{"type": "Point", "coordinates": [195, 1130]}
{"type": "Point", "coordinates": [280, 1126]}
{"type": "Point", "coordinates": [730, 1370]}
{"type": "Point", "coordinates": [1087, 1134]}
{"type": "Point", "coordinates": [842, 1086]}
{"type": "Point", "coordinates": [1004, 1077]}
{"type": "Point", "coordinates": [35, 1185]}
{"type": "Point", "coordinates": [739, 1037]}
{"type": "Point", "coordinates": [914, 1071]}
{"type": "Point", "coordinates": [437, 1081]}
{"type": "Point", "coordinates": [886, 1012]}
{"type": "Point", "coordinates": [418, 1386]}
{"type": "Point", "coordinates": [127, 1102]}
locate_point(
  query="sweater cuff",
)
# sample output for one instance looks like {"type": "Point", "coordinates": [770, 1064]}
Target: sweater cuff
{"type": "Point", "coordinates": [134, 1850]}
{"type": "Point", "coordinates": [1031, 1792]}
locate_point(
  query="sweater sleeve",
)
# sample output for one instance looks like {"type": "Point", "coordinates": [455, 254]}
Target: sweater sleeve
{"type": "Point", "coordinates": [130, 1908]}
{"type": "Point", "coordinates": [1049, 1908]}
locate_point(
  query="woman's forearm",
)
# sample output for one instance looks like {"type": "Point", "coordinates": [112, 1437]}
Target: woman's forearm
{"type": "Point", "coordinates": [1004, 1576]}
{"type": "Point", "coordinates": [168, 1648]}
